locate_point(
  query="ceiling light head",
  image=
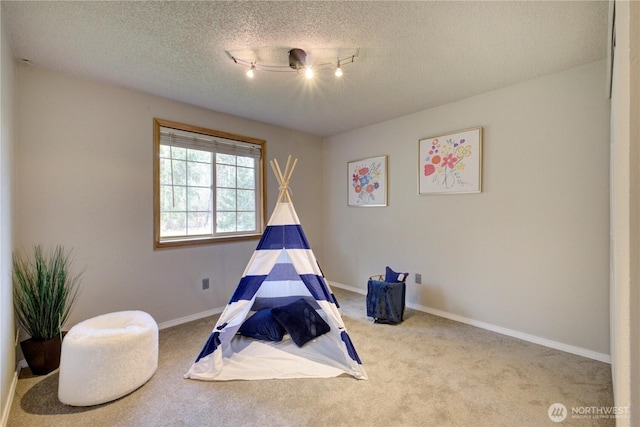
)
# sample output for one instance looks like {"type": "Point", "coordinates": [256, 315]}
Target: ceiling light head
{"type": "Point", "coordinates": [338, 70]}
{"type": "Point", "coordinates": [251, 73]}
{"type": "Point", "coordinates": [308, 72]}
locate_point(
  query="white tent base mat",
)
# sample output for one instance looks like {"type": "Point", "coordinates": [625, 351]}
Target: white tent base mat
{"type": "Point", "coordinates": [251, 359]}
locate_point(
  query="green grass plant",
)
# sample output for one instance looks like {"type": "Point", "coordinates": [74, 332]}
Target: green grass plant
{"type": "Point", "coordinates": [44, 290]}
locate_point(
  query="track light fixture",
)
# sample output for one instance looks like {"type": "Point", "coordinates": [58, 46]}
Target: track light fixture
{"type": "Point", "coordinates": [319, 59]}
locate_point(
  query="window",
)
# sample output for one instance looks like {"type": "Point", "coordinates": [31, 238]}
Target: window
{"type": "Point", "coordinates": [208, 186]}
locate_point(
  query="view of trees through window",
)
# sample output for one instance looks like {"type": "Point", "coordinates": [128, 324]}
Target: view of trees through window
{"type": "Point", "coordinates": [187, 192]}
{"type": "Point", "coordinates": [236, 193]}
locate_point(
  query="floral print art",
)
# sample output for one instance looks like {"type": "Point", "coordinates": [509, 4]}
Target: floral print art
{"type": "Point", "coordinates": [366, 181]}
{"type": "Point", "coordinates": [445, 161]}
{"type": "Point", "coordinates": [451, 163]}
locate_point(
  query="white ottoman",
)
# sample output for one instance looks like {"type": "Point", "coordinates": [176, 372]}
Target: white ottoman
{"type": "Point", "coordinates": [107, 357]}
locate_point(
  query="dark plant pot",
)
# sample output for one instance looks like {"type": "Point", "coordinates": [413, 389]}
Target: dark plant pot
{"type": "Point", "coordinates": [42, 356]}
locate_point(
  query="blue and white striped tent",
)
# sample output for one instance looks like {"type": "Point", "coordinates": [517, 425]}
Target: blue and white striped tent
{"type": "Point", "coordinates": [282, 269]}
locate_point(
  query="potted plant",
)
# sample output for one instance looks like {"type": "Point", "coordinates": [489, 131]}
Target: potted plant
{"type": "Point", "coordinates": [44, 290]}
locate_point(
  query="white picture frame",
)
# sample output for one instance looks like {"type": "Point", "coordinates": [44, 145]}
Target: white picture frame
{"type": "Point", "coordinates": [367, 182]}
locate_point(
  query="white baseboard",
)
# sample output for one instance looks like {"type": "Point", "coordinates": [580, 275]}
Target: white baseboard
{"type": "Point", "coordinates": [10, 396]}
{"type": "Point", "coordinates": [590, 354]}
{"type": "Point", "coordinates": [347, 287]}
{"type": "Point", "coordinates": [190, 318]}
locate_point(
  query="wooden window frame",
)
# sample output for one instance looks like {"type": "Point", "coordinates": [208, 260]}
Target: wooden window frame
{"type": "Point", "coordinates": [188, 241]}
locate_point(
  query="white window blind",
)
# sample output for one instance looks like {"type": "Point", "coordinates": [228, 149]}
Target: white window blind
{"type": "Point", "coordinates": [215, 145]}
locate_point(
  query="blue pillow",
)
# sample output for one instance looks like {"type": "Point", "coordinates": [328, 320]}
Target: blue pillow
{"type": "Point", "coordinates": [393, 277]}
{"type": "Point", "coordinates": [301, 321]}
{"type": "Point", "coordinates": [262, 326]}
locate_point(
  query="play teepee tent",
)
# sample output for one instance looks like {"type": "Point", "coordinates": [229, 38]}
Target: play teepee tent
{"type": "Point", "coordinates": [281, 281]}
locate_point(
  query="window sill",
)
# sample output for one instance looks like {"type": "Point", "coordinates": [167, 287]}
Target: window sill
{"type": "Point", "coordinates": [181, 242]}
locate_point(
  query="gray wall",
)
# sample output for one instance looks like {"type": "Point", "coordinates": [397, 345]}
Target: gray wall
{"type": "Point", "coordinates": [7, 137]}
{"type": "Point", "coordinates": [529, 254]}
{"type": "Point", "coordinates": [84, 179]}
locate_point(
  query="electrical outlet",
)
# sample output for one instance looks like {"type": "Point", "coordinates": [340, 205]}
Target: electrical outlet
{"type": "Point", "coordinates": [418, 278]}
{"type": "Point", "coordinates": [205, 283]}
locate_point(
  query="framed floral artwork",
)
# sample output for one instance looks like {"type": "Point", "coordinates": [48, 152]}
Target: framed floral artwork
{"type": "Point", "coordinates": [367, 182]}
{"type": "Point", "coordinates": [451, 163]}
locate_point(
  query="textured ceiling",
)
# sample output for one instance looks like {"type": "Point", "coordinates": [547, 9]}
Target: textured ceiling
{"type": "Point", "coordinates": [412, 55]}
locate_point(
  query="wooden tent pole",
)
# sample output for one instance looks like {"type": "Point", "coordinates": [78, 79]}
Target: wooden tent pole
{"type": "Point", "coordinates": [286, 168]}
{"type": "Point", "coordinates": [287, 174]}
{"type": "Point", "coordinates": [279, 172]}
{"type": "Point", "coordinates": [275, 172]}
{"type": "Point", "coordinates": [283, 179]}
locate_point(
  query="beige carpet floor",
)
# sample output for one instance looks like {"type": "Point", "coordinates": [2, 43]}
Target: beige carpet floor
{"type": "Point", "coordinates": [427, 371]}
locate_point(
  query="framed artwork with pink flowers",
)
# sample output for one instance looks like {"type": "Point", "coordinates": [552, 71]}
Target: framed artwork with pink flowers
{"type": "Point", "coordinates": [451, 163]}
{"type": "Point", "coordinates": [367, 182]}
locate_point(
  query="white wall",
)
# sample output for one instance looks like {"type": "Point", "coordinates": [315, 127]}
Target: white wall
{"type": "Point", "coordinates": [7, 331]}
{"type": "Point", "coordinates": [530, 253]}
{"type": "Point", "coordinates": [84, 179]}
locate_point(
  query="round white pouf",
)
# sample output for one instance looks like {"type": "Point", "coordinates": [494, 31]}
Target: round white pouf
{"type": "Point", "coordinates": [107, 357]}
